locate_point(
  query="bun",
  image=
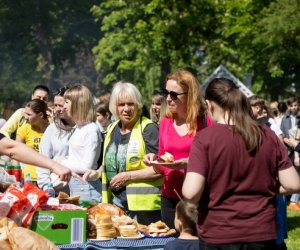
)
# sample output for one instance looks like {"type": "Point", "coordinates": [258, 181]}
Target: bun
{"type": "Point", "coordinates": [167, 157]}
{"type": "Point", "coordinates": [128, 230]}
{"type": "Point", "coordinates": [104, 208]}
{"type": "Point", "coordinates": [62, 195]}
{"type": "Point", "coordinates": [25, 239]}
{"type": "Point", "coordinates": [6, 225]}
{"type": "Point", "coordinates": [97, 213]}
{"type": "Point", "coordinates": [105, 227]}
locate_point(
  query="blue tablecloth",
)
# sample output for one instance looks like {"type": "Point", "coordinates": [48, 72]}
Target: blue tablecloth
{"type": "Point", "coordinates": [144, 243]}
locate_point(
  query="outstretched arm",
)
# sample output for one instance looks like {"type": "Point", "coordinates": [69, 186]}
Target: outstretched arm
{"type": "Point", "coordinates": [20, 152]}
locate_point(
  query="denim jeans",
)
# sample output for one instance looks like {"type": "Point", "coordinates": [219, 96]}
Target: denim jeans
{"type": "Point", "coordinates": [88, 191]}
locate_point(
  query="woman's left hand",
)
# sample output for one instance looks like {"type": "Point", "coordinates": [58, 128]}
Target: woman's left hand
{"type": "Point", "coordinates": [119, 181]}
{"type": "Point", "coordinates": [179, 164]}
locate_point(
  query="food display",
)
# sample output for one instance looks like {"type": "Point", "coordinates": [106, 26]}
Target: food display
{"type": "Point", "coordinates": [102, 218]}
{"type": "Point", "coordinates": [99, 210]}
{"type": "Point", "coordinates": [29, 207]}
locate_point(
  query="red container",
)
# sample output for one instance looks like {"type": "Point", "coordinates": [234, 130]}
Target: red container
{"type": "Point", "coordinates": [17, 172]}
{"type": "Point", "coordinates": [8, 169]}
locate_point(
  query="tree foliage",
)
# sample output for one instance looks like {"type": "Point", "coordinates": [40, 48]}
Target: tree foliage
{"type": "Point", "coordinates": [143, 38]}
{"type": "Point", "coordinates": [66, 42]}
{"type": "Point", "coordinates": [45, 42]}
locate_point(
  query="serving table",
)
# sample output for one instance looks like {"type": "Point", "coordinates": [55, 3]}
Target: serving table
{"type": "Point", "coordinates": [118, 243]}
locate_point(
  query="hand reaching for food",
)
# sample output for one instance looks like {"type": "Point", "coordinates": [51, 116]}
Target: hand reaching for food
{"type": "Point", "coordinates": [91, 175]}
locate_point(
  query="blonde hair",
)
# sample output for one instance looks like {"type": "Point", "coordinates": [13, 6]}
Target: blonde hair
{"type": "Point", "coordinates": [195, 102]}
{"type": "Point", "coordinates": [125, 90]}
{"type": "Point", "coordinates": [158, 98]}
{"type": "Point", "coordinates": [82, 106]}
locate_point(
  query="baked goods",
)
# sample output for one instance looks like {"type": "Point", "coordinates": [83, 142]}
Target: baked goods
{"type": "Point", "coordinates": [160, 228]}
{"type": "Point", "coordinates": [126, 226]}
{"type": "Point", "coordinates": [5, 245]}
{"type": "Point", "coordinates": [129, 230]}
{"type": "Point", "coordinates": [166, 158]}
{"type": "Point", "coordinates": [105, 227]}
{"type": "Point", "coordinates": [64, 198]}
{"type": "Point", "coordinates": [104, 208]}
{"type": "Point", "coordinates": [6, 225]}
{"type": "Point", "coordinates": [25, 239]}
{"type": "Point", "coordinates": [62, 195]}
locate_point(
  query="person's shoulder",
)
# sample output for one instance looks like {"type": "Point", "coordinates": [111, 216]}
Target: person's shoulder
{"type": "Point", "coordinates": [51, 127]}
{"type": "Point", "coordinates": [24, 130]}
{"type": "Point", "coordinates": [94, 127]}
{"type": "Point", "coordinates": [165, 121]}
{"type": "Point", "coordinates": [214, 130]}
{"type": "Point", "coordinates": [25, 126]}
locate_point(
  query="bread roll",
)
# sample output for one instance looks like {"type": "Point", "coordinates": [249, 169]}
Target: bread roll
{"type": "Point", "coordinates": [25, 239]}
{"type": "Point", "coordinates": [167, 157]}
{"type": "Point", "coordinates": [128, 231]}
{"type": "Point", "coordinates": [104, 208]}
{"type": "Point", "coordinates": [6, 225]}
{"type": "Point", "coordinates": [105, 227]}
{"type": "Point", "coordinates": [5, 245]}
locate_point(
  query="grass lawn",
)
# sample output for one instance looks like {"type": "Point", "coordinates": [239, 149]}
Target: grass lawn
{"type": "Point", "coordinates": [293, 241]}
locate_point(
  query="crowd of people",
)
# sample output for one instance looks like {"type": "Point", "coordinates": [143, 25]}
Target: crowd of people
{"type": "Point", "coordinates": [234, 158]}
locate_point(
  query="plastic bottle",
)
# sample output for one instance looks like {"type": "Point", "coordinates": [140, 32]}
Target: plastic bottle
{"type": "Point", "coordinates": [17, 172]}
{"type": "Point", "coordinates": [50, 190]}
{"type": "Point", "coordinates": [27, 178]}
{"type": "Point", "coordinates": [8, 168]}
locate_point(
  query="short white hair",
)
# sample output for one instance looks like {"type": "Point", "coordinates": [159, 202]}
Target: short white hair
{"type": "Point", "coordinates": [121, 91]}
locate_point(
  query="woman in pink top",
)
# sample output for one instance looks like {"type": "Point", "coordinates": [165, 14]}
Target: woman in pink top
{"type": "Point", "coordinates": [185, 116]}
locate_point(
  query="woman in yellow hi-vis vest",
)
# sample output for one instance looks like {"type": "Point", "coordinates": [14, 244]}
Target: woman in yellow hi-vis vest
{"type": "Point", "coordinates": [126, 181]}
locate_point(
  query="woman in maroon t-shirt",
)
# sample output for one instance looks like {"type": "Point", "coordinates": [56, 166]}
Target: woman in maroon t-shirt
{"type": "Point", "coordinates": [234, 172]}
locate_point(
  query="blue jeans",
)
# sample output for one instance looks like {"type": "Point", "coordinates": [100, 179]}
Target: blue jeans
{"type": "Point", "coordinates": [88, 191]}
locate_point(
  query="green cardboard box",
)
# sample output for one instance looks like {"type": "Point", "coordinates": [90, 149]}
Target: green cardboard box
{"type": "Point", "coordinates": [61, 227]}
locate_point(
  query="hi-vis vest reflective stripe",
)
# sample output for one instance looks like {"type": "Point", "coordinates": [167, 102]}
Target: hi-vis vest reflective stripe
{"type": "Point", "coordinates": [141, 195]}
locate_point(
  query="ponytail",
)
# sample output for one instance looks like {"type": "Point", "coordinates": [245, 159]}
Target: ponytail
{"type": "Point", "coordinates": [226, 94]}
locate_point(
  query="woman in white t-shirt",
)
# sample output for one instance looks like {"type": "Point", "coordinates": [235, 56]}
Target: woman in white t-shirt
{"type": "Point", "coordinates": [84, 144]}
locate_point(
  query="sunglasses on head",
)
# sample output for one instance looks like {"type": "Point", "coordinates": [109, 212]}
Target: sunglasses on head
{"type": "Point", "coordinates": [173, 94]}
{"type": "Point", "coordinates": [61, 91]}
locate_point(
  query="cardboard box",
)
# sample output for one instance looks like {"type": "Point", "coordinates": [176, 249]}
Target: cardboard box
{"type": "Point", "coordinates": [61, 227]}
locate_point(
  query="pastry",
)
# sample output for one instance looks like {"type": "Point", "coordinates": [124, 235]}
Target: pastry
{"type": "Point", "coordinates": [166, 158]}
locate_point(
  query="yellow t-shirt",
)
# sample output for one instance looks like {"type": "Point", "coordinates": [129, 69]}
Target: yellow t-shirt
{"type": "Point", "coordinates": [32, 139]}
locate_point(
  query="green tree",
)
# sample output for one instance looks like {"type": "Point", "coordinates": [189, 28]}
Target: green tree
{"type": "Point", "coordinates": [145, 40]}
{"type": "Point", "coordinates": [47, 42]}
{"type": "Point", "coordinates": [260, 37]}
